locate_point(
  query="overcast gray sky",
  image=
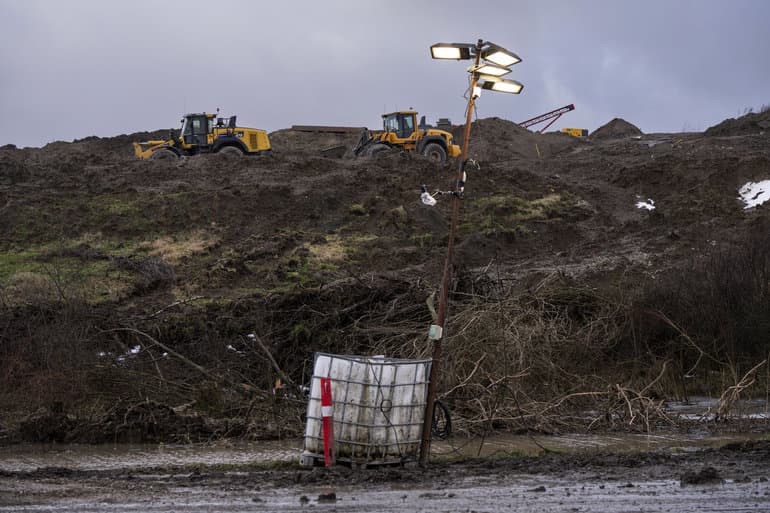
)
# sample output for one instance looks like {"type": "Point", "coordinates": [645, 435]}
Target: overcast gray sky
{"type": "Point", "coordinates": [71, 69]}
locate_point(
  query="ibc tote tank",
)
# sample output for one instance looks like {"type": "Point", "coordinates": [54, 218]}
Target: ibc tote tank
{"type": "Point", "coordinates": [379, 409]}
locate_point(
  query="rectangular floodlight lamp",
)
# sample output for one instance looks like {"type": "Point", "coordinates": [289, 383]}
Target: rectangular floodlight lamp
{"type": "Point", "coordinates": [502, 85]}
{"type": "Point", "coordinates": [489, 69]}
{"type": "Point", "coordinates": [500, 56]}
{"type": "Point", "coordinates": [456, 51]}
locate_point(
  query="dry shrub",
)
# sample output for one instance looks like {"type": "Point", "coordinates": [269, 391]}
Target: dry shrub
{"type": "Point", "coordinates": [548, 360]}
{"type": "Point", "coordinates": [332, 249]}
{"type": "Point", "coordinates": [714, 315]}
{"type": "Point", "coordinates": [562, 357]}
{"type": "Point", "coordinates": [47, 356]}
{"type": "Point", "coordinates": [538, 361]}
{"type": "Point", "coordinates": [154, 272]}
{"type": "Point", "coordinates": [30, 288]}
{"type": "Point", "coordinates": [510, 360]}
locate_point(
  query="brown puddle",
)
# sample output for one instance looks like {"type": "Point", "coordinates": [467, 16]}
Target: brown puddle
{"type": "Point", "coordinates": [501, 444]}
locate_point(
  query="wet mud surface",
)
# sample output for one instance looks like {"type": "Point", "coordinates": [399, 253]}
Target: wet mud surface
{"type": "Point", "coordinates": [730, 478]}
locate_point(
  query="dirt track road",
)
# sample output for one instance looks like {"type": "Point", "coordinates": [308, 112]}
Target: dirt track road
{"type": "Point", "coordinates": [733, 478]}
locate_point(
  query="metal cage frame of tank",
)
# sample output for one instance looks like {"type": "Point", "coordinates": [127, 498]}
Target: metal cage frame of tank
{"type": "Point", "coordinates": [379, 409]}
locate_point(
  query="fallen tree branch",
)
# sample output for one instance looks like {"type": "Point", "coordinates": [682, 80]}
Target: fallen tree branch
{"type": "Point", "coordinates": [284, 377]}
{"type": "Point", "coordinates": [172, 305]}
{"type": "Point", "coordinates": [467, 378]}
{"type": "Point", "coordinates": [243, 389]}
{"type": "Point", "coordinates": [731, 395]}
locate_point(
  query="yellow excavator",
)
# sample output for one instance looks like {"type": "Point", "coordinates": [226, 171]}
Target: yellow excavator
{"type": "Point", "coordinates": [400, 130]}
{"type": "Point", "coordinates": [206, 133]}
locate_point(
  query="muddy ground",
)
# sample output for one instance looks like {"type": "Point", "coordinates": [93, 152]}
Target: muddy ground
{"type": "Point", "coordinates": [731, 478]}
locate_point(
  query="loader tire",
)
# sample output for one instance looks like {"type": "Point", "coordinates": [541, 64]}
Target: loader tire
{"type": "Point", "coordinates": [435, 152]}
{"type": "Point", "coordinates": [230, 152]}
{"type": "Point", "coordinates": [163, 154]}
{"type": "Point", "coordinates": [377, 149]}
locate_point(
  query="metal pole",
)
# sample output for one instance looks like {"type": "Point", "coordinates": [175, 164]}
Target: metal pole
{"type": "Point", "coordinates": [427, 427]}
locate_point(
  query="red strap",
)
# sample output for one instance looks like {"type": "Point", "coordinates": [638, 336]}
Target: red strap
{"type": "Point", "coordinates": [328, 420]}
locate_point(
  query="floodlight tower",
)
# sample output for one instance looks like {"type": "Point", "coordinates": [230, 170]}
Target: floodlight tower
{"type": "Point", "coordinates": [483, 75]}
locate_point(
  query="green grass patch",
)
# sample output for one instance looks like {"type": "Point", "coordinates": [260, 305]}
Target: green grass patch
{"type": "Point", "coordinates": [113, 205]}
{"type": "Point", "coordinates": [422, 240]}
{"type": "Point", "coordinates": [81, 267]}
{"type": "Point", "coordinates": [40, 279]}
{"type": "Point", "coordinates": [13, 262]}
{"type": "Point", "coordinates": [309, 272]}
{"type": "Point", "coordinates": [128, 215]}
{"type": "Point", "coordinates": [357, 209]}
{"type": "Point", "coordinates": [306, 259]}
{"type": "Point", "coordinates": [506, 214]}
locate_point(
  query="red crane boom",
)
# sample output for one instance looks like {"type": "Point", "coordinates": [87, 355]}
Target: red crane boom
{"type": "Point", "coordinates": [553, 116]}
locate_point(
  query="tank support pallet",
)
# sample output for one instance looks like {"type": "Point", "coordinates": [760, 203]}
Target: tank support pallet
{"type": "Point", "coordinates": [316, 460]}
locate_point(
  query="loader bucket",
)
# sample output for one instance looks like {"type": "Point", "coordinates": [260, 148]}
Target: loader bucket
{"type": "Point", "coordinates": [144, 150]}
{"type": "Point", "coordinates": [362, 143]}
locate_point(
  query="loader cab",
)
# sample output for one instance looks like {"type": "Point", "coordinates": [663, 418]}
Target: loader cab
{"type": "Point", "coordinates": [226, 123]}
{"type": "Point", "coordinates": [400, 123]}
{"type": "Point", "coordinates": [196, 128]}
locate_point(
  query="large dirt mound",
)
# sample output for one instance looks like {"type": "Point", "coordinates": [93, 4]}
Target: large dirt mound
{"type": "Point", "coordinates": [616, 129]}
{"type": "Point", "coordinates": [296, 142]}
{"type": "Point", "coordinates": [497, 140]}
{"type": "Point", "coordinates": [752, 123]}
{"type": "Point", "coordinates": [118, 146]}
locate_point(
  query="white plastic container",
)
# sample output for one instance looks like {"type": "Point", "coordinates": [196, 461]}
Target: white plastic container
{"type": "Point", "coordinates": [379, 409]}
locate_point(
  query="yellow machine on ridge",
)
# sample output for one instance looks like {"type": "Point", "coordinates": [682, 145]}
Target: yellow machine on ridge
{"type": "Point", "coordinates": [400, 130]}
{"type": "Point", "coordinates": [206, 133]}
{"type": "Point", "coordinates": [575, 132]}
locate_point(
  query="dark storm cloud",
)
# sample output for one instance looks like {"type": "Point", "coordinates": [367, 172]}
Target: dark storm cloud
{"type": "Point", "coordinates": [78, 68]}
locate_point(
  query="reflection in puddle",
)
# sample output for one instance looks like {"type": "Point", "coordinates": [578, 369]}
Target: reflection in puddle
{"type": "Point", "coordinates": [110, 457]}
{"type": "Point", "coordinates": [574, 443]}
{"type": "Point", "coordinates": [704, 408]}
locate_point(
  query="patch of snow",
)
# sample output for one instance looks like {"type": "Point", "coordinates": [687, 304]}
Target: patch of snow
{"type": "Point", "coordinates": [754, 193]}
{"type": "Point", "coordinates": [649, 204]}
{"type": "Point", "coordinates": [134, 350]}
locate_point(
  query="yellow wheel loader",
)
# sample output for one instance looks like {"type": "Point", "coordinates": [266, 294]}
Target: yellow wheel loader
{"type": "Point", "coordinates": [575, 132]}
{"type": "Point", "coordinates": [206, 133]}
{"type": "Point", "coordinates": [400, 131]}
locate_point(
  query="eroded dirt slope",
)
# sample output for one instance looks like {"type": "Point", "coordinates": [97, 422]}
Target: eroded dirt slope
{"type": "Point", "coordinates": [338, 254]}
